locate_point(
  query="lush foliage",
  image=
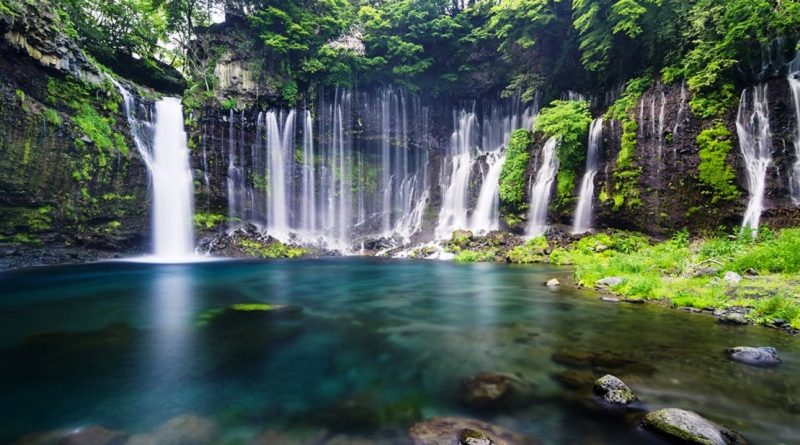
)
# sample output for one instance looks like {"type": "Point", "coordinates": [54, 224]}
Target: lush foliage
{"type": "Point", "coordinates": [569, 122]}
{"type": "Point", "coordinates": [714, 170]}
{"type": "Point", "coordinates": [533, 251]}
{"type": "Point", "coordinates": [270, 250]}
{"type": "Point", "coordinates": [626, 175]}
{"type": "Point", "coordinates": [512, 175]}
{"type": "Point", "coordinates": [689, 273]}
{"type": "Point", "coordinates": [457, 47]}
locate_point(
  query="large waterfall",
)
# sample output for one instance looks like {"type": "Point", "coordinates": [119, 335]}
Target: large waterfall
{"type": "Point", "coordinates": [583, 213]}
{"type": "Point", "coordinates": [315, 177]}
{"type": "Point", "coordinates": [794, 85]}
{"type": "Point", "coordinates": [478, 144]}
{"type": "Point", "coordinates": [162, 143]}
{"type": "Point", "coordinates": [541, 189]}
{"type": "Point", "coordinates": [755, 142]}
{"type": "Point", "coordinates": [456, 172]}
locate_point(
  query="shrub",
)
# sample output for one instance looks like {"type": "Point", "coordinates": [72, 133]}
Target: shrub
{"type": "Point", "coordinates": [512, 175]}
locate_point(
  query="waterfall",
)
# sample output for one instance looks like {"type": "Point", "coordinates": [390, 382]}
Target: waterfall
{"type": "Point", "coordinates": [755, 142]}
{"type": "Point", "coordinates": [164, 149]}
{"type": "Point", "coordinates": [583, 213]}
{"type": "Point", "coordinates": [794, 85]}
{"type": "Point", "coordinates": [308, 198]}
{"type": "Point", "coordinates": [486, 216]}
{"type": "Point", "coordinates": [280, 151]}
{"type": "Point", "coordinates": [453, 214]}
{"type": "Point", "coordinates": [541, 189]}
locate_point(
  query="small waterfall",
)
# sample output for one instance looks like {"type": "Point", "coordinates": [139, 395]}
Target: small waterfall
{"type": "Point", "coordinates": [164, 149]}
{"type": "Point", "coordinates": [755, 142]}
{"type": "Point", "coordinates": [794, 85]}
{"type": "Point", "coordinates": [486, 216]}
{"type": "Point", "coordinates": [583, 213]}
{"type": "Point", "coordinates": [455, 202]}
{"type": "Point", "coordinates": [541, 189]}
{"type": "Point", "coordinates": [308, 216]}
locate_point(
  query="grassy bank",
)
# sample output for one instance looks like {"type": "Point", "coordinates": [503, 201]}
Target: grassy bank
{"type": "Point", "coordinates": [692, 272]}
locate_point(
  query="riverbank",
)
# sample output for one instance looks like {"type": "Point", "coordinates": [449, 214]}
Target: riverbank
{"type": "Point", "coordinates": [740, 278]}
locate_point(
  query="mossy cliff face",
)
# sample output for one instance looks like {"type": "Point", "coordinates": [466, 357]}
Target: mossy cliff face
{"type": "Point", "coordinates": [690, 170]}
{"type": "Point", "coordinates": [70, 177]}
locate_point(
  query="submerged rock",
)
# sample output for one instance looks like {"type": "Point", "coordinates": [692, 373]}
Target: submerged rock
{"type": "Point", "coordinates": [490, 390]}
{"type": "Point", "coordinates": [552, 283]}
{"type": "Point", "coordinates": [613, 391]}
{"type": "Point", "coordinates": [94, 435]}
{"type": "Point", "coordinates": [764, 356]}
{"type": "Point", "coordinates": [608, 282]}
{"type": "Point", "coordinates": [472, 437]}
{"type": "Point", "coordinates": [463, 431]}
{"type": "Point", "coordinates": [575, 379]}
{"type": "Point", "coordinates": [689, 427]}
{"type": "Point", "coordinates": [186, 429]}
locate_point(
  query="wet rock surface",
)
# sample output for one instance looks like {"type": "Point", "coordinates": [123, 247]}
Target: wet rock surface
{"type": "Point", "coordinates": [613, 391]}
{"type": "Point", "coordinates": [464, 431]}
{"type": "Point", "coordinates": [689, 427]}
{"type": "Point", "coordinates": [764, 356]}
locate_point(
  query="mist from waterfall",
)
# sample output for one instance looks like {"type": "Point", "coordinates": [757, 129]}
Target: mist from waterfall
{"type": "Point", "coordinates": [541, 189]}
{"type": "Point", "coordinates": [583, 212]}
{"type": "Point", "coordinates": [755, 142]}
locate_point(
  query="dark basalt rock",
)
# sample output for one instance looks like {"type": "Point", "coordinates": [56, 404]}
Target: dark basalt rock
{"type": "Point", "coordinates": [762, 356]}
{"type": "Point", "coordinates": [491, 390]}
{"type": "Point", "coordinates": [688, 427]}
{"type": "Point", "coordinates": [463, 431]}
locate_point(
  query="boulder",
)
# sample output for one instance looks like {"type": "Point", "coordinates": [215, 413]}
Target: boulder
{"type": "Point", "coordinates": [463, 431]}
{"type": "Point", "coordinates": [734, 318]}
{"type": "Point", "coordinates": [553, 283]}
{"type": "Point", "coordinates": [492, 390]}
{"type": "Point", "coordinates": [706, 272]}
{"type": "Point", "coordinates": [732, 278]}
{"type": "Point", "coordinates": [688, 427]}
{"type": "Point", "coordinates": [764, 356]}
{"type": "Point", "coordinates": [610, 299]}
{"type": "Point", "coordinates": [608, 282]}
{"type": "Point", "coordinates": [613, 391]}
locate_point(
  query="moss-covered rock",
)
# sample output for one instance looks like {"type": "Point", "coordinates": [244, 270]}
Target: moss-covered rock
{"type": "Point", "coordinates": [690, 428]}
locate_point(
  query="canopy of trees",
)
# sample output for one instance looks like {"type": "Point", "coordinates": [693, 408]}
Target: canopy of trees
{"type": "Point", "coordinates": [467, 47]}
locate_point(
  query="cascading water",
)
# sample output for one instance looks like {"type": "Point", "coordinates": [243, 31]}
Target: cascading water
{"type": "Point", "coordinates": [541, 189]}
{"type": "Point", "coordinates": [755, 142]}
{"type": "Point", "coordinates": [471, 144]}
{"type": "Point", "coordinates": [487, 210]}
{"type": "Point", "coordinates": [453, 214]}
{"type": "Point", "coordinates": [280, 151]}
{"type": "Point", "coordinates": [794, 85]}
{"type": "Point", "coordinates": [583, 213]}
{"type": "Point", "coordinates": [164, 149]}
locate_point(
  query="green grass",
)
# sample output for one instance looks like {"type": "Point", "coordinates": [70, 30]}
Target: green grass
{"type": "Point", "coordinates": [475, 256]}
{"type": "Point", "coordinates": [666, 270]}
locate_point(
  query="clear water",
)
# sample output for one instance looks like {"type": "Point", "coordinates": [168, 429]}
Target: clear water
{"type": "Point", "coordinates": [127, 348]}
